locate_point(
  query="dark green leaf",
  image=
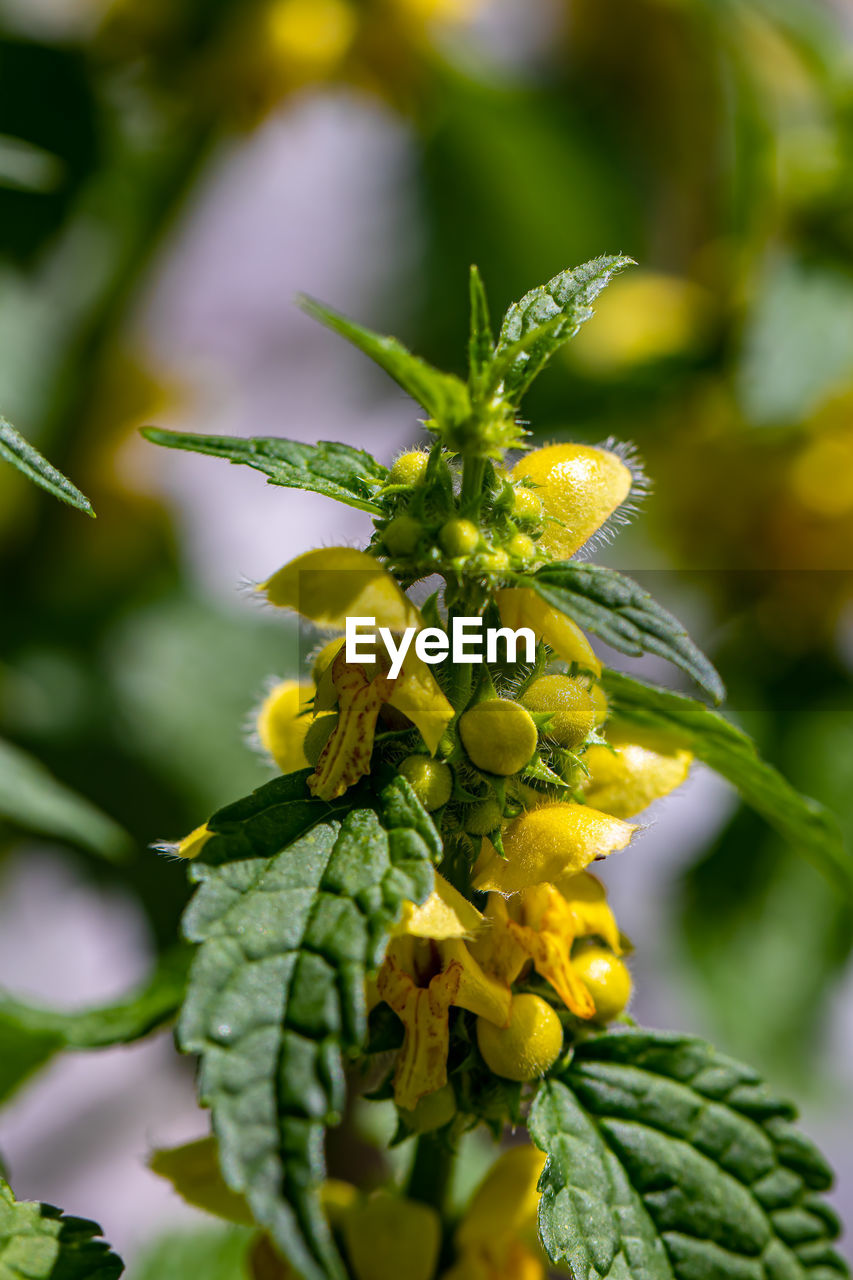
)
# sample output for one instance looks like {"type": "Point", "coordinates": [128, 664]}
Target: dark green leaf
{"type": "Point", "coordinates": [480, 342]}
{"type": "Point", "coordinates": [810, 827]}
{"type": "Point", "coordinates": [548, 316]}
{"type": "Point", "coordinates": [443, 395]}
{"type": "Point", "coordinates": [30, 797]}
{"type": "Point", "coordinates": [336, 470]}
{"type": "Point", "coordinates": [668, 1161]}
{"type": "Point", "coordinates": [30, 1036]}
{"type": "Point", "coordinates": [21, 454]}
{"type": "Point", "coordinates": [624, 615]}
{"type": "Point", "coordinates": [38, 1242]}
{"type": "Point", "coordinates": [292, 913]}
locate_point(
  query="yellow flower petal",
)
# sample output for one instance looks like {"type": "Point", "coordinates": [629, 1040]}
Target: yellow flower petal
{"type": "Point", "coordinates": [548, 843]}
{"type": "Point", "coordinates": [416, 694]}
{"type": "Point", "coordinates": [522, 607]}
{"type": "Point", "coordinates": [445, 914]}
{"type": "Point", "coordinates": [334, 583]}
{"type": "Point", "coordinates": [388, 1237]}
{"type": "Point", "coordinates": [192, 845]}
{"type": "Point", "coordinates": [580, 485]}
{"type": "Point", "coordinates": [587, 900]}
{"type": "Point", "coordinates": [193, 1171]}
{"type": "Point", "coordinates": [282, 726]}
{"type": "Point", "coordinates": [507, 1200]}
{"type": "Point", "coordinates": [495, 949]}
{"type": "Point", "coordinates": [546, 930]}
{"type": "Point", "coordinates": [422, 1061]}
{"type": "Point", "coordinates": [642, 768]}
{"type": "Point", "coordinates": [478, 992]}
{"type": "Point", "coordinates": [346, 756]}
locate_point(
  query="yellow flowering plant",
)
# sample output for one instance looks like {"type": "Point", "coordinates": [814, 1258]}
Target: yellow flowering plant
{"type": "Point", "coordinates": [412, 902]}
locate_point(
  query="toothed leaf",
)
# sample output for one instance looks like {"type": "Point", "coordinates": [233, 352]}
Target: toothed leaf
{"type": "Point", "coordinates": [481, 342]}
{"type": "Point", "coordinates": [812, 829]}
{"type": "Point", "coordinates": [38, 1242]}
{"type": "Point", "coordinates": [336, 470]}
{"type": "Point", "coordinates": [624, 615]}
{"type": "Point", "coordinates": [548, 316]}
{"type": "Point", "coordinates": [295, 902]}
{"type": "Point", "coordinates": [668, 1161]}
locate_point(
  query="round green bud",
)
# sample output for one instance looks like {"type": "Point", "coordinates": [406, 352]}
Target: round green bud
{"type": "Point", "coordinates": [319, 732]}
{"type": "Point", "coordinates": [402, 535]}
{"type": "Point", "coordinates": [527, 506]}
{"type": "Point", "coordinates": [409, 468]}
{"type": "Point", "coordinates": [432, 1111]}
{"type": "Point", "coordinates": [494, 561]}
{"type": "Point", "coordinates": [520, 547]}
{"type": "Point", "coordinates": [431, 781]}
{"type": "Point", "coordinates": [568, 701]}
{"type": "Point", "coordinates": [483, 818]}
{"type": "Point", "coordinates": [459, 537]}
{"type": "Point", "coordinates": [499, 736]}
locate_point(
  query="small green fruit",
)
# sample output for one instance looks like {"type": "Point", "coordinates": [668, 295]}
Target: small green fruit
{"type": "Point", "coordinates": [409, 468]}
{"type": "Point", "coordinates": [459, 537]}
{"type": "Point", "coordinates": [402, 536]}
{"type": "Point", "coordinates": [484, 818]}
{"type": "Point", "coordinates": [431, 781]}
{"type": "Point", "coordinates": [432, 1111]}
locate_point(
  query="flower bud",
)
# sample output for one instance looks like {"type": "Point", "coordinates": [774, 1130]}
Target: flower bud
{"type": "Point", "coordinates": [432, 1111]}
{"type": "Point", "coordinates": [402, 535]}
{"type": "Point", "coordinates": [499, 736]}
{"type": "Point", "coordinates": [459, 537]}
{"type": "Point", "coordinates": [485, 817]}
{"type": "Point", "coordinates": [409, 468]}
{"type": "Point", "coordinates": [431, 781]}
{"type": "Point", "coordinates": [606, 978]}
{"type": "Point", "coordinates": [528, 1046]}
{"type": "Point", "coordinates": [569, 703]}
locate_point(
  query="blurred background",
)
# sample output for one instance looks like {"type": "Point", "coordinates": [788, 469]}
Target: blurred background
{"type": "Point", "coordinates": [171, 173]}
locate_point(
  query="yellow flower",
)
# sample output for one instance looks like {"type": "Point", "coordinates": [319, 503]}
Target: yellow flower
{"type": "Point", "coordinates": [642, 767]}
{"type": "Point", "coordinates": [427, 968]}
{"type": "Point", "coordinates": [191, 845]}
{"type": "Point", "coordinates": [282, 724]}
{"type": "Point", "coordinates": [541, 924]}
{"type": "Point", "coordinates": [643, 316]}
{"type": "Point", "coordinates": [388, 1237]}
{"type": "Point", "coordinates": [580, 486]}
{"type": "Point", "coordinates": [548, 843]}
{"type": "Point", "coordinates": [346, 755]}
{"type": "Point", "coordinates": [522, 607]}
{"type": "Point", "coordinates": [307, 39]}
{"type": "Point", "coordinates": [334, 583]}
{"type": "Point", "coordinates": [497, 1237]}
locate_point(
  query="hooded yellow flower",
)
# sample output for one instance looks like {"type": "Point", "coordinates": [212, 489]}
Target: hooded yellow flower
{"type": "Point", "coordinates": [642, 767]}
{"type": "Point", "coordinates": [497, 1238]}
{"type": "Point", "coordinates": [541, 924]}
{"type": "Point", "coordinates": [427, 968]}
{"type": "Point", "coordinates": [522, 607]}
{"type": "Point", "coordinates": [334, 583]}
{"type": "Point", "coordinates": [580, 487]}
{"type": "Point", "coordinates": [547, 844]}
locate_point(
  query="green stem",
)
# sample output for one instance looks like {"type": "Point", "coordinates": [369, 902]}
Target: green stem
{"type": "Point", "coordinates": [473, 474]}
{"type": "Point", "coordinates": [429, 1180]}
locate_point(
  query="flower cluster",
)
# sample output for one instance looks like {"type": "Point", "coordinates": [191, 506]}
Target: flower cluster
{"type": "Point", "coordinates": [524, 777]}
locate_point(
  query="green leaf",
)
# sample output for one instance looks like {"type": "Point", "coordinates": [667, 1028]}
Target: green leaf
{"type": "Point", "coordinates": [30, 797]}
{"type": "Point", "coordinates": [548, 316]}
{"type": "Point", "coordinates": [336, 470]}
{"type": "Point", "coordinates": [293, 911]}
{"type": "Point", "coordinates": [625, 616]}
{"type": "Point", "coordinates": [811, 828]}
{"type": "Point", "coordinates": [668, 1161]}
{"type": "Point", "coordinates": [214, 1253]}
{"type": "Point", "coordinates": [38, 1242]}
{"type": "Point", "coordinates": [480, 343]}
{"type": "Point", "coordinates": [444, 396]}
{"type": "Point", "coordinates": [30, 1035]}
{"type": "Point", "coordinates": [21, 454]}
